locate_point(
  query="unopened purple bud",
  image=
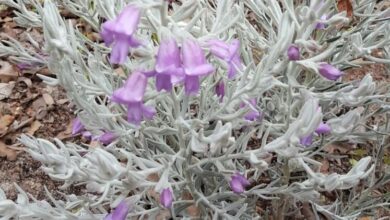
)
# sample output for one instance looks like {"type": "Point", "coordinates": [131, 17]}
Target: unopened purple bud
{"type": "Point", "coordinates": [321, 25]}
{"type": "Point", "coordinates": [242, 180]}
{"type": "Point", "coordinates": [238, 183]}
{"type": "Point", "coordinates": [307, 141]}
{"type": "Point", "coordinates": [220, 90]}
{"type": "Point", "coordinates": [253, 114]}
{"type": "Point", "coordinates": [87, 135]}
{"type": "Point", "coordinates": [323, 129]}
{"type": "Point", "coordinates": [166, 198]}
{"type": "Point", "coordinates": [330, 72]}
{"type": "Point", "coordinates": [293, 53]}
{"type": "Point", "coordinates": [107, 138]}
{"type": "Point", "coordinates": [119, 213]}
{"type": "Point", "coordinates": [77, 126]}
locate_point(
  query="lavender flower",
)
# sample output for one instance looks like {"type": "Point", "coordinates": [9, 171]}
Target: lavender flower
{"type": "Point", "coordinates": [119, 213]}
{"type": "Point", "coordinates": [120, 32]}
{"type": "Point", "coordinates": [323, 129]}
{"type": "Point", "coordinates": [107, 138]}
{"type": "Point", "coordinates": [168, 66]}
{"type": "Point", "coordinates": [220, 90]}
{"type": "Point", "coordinates": [293, 53]}
{"type": "Point", "coordinates": [307, 141]}
{"type": "Point", "coordinates": [330, 72]}
{"type": "Point", "coordinates": [321, 25]}
{"type": "Point", "coordinates": [87, 135]}
{"type": "Point", "coordinates": [238, 183]}
{"type": "Point", "coordinates": [77, 126]}
{"type": "Point", "coordinates": [253, 114]}
{"type": "Point", "coordinates": [132, 94]}
{"type": "Point", "coordinates": [195, 65]}
{"type": "Point", "coordinates": [166, 198]}
{"type": "Point", "coordinates": [228, 53]}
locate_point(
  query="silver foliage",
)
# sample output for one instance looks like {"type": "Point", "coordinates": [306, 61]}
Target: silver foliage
{"type": "Point", "coordinates": [198, 154]}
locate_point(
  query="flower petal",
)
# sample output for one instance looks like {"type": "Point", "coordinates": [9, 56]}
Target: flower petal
{"type": "Point", "coordinates": [119, 213]}
{"type": "Point", "coordinates": [193, 55]}
{"type": "Point", "coordinates": [133, 90]}
{"type": "Point", "coordinates": [119, 51]}
{"type": "Point", "coordinates": [236, 185]}
{"type": "Point", "coordinates": [134, 113]}
{"type": "Point", "coordinates": [107, 138]}
{"type": "Point", "coordinates": [163, 81]}
{"type": "Point", "coordinates": [200, 70]}
{"type": "Point", "coordinates": [77, 126]}
{"type": "Point", "coordinates": [168, 56]}
{"type": "Point", "coordinates": [127, 21]}
{"type": "Point", "coordinates": [148, 112]}
{"type": "Point", "coordinates": [166, 198]}
{"type": "Point", "coordinates": [191, 84]}
{"type": "Point", "coordinates": [323, 129]}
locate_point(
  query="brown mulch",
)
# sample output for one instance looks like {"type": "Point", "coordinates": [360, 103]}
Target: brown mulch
{"type": "Point", "coordinates": [33, 108]}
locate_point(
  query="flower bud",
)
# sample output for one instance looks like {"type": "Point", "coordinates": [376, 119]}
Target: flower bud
{"type": "Point", "coordinates": [166, 198]}
{"type": "Point", "coordinates": [330, 72]}
{"type": "Point", "coordinates": [323, 129]}
{"type": "Point", "coordinates": [293, 53]}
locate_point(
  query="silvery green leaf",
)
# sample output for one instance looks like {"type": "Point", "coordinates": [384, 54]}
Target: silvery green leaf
{"type": "Point", "coordinates": [344, 124]}
{"type": "Point", "coordinates": [361, 94]}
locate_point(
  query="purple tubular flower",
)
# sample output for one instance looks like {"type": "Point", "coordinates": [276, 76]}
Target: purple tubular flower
{"type": "Point", "coordinates": [195, 65]}
{"type": "Point", "coordinates": [77, 126]}
{"type": "Point", "coordinates": [330, 72]}
{"type": "Point", "coordinates": [323, 129]}
{"type": "Point", "coordinates": [238, 183]}
{"type": "Point", "coordinates": [228, 53]}
{"type": "Point", "coordinates": [307, 141]}
{"type": "Point", "coordinates": [166, 198]}
{"type": "Point", "coordinates": [132, 94]}
{"type": "Point", "coordinates": [120, 32]}
{"type": "Point", "coordinates": [293, 53]}
{"type": "Point", "coordinates": [168, 64]}
{"type": "Point", "coordinates": [119, 213]}
{"type": "Point", "coordinates": [220, 90]}
{"type": "Point", "coordinates": [107, 138]}
{"type": "Point", "coordinates": [253, 114]}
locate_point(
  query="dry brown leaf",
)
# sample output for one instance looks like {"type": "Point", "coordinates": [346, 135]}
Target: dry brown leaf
{"type": "Point", "coordinates": [5, 121]}
{"type": "Point", "coordinates": [325, 166]}
{"type": "Point", "coordinates": [153, 177]}
{"type": "Point", "coordinates": [152, 193]}
{"type": "Point", "coordinates": [163, 214]}
{"type": "Point", "coordinates": [48, 99]}
{"type": "Point", "coordinates": [119, 72]}
{"type": "Point", "coordinates": [34, 127]}
{"type": "Point", "coordinates": [67, 133]}
{"type": "Point", "coordinates": [26, 81]}
{"type": "Point", "coordinates": [342, 147]}
{"type": "Point", "coordinates": [62, 101]}
{"type": "Point", "coordinates": [307, 211]}
{"type": "Point", "coordinates": [94, 144]}
{"type": "Point", "coordinates": [6, 89]}
{"type": "Point", "coordinates": [366, 218]}
{"type": "Point", "coordinates": [192, 210]}
{"type": "Point", "coordinates": [7, 72]}
{"type": "Point", "coordinates": [345, 5]}
{"type": "Point", "coordinates": [7, 152]}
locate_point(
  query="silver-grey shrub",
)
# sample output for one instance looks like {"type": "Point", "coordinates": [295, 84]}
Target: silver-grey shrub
{"type": "Point", "coordinates": [198, 153]}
